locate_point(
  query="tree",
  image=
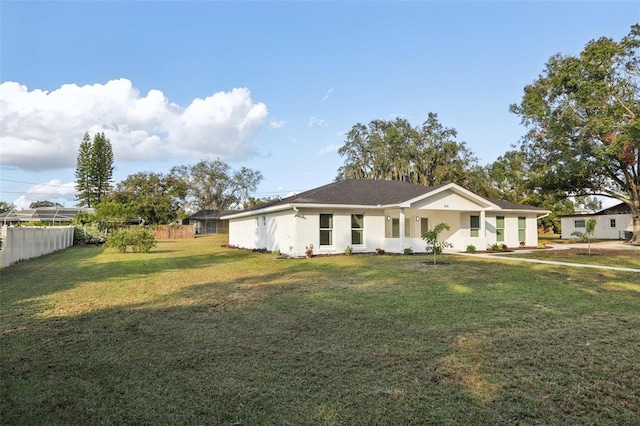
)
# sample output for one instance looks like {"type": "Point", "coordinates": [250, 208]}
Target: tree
{"type": "Point", "coordinates": [213, 185]}
{"type": "Point", "coordinates": [586, 236]}
{"type": "Point", "coordinates": [37, 204]}
{"type": "Point", "coordinates": [592, 204]}
{"type": "Point", "coordinates": [432, 239]}
{"type": "Point", "coordinates": [112, 213]}
{"type": "Point", "coordinates": [582, 117]}
{"type": "Point", "coordinates": [252, 202]}
{"type": "Point", "coordinates": [155, 197]}
{"type": "Point", "coordinates": [6, 206]}
{"type": "Point", "coordinates": [94, 169]}
{"type": "Point", "coordinates": [395, 150]}
{"type": "Point", "coordinates": [508, 177]}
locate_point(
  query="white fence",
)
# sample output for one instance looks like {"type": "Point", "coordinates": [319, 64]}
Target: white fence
{"type": "Point", "coordinates": [21, 243]}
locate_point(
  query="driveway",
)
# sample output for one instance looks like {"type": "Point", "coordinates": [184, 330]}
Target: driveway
{"type": "Point", "coordinates": [613, 245]}
{"type": "Point", "coordinates": [607, 245]}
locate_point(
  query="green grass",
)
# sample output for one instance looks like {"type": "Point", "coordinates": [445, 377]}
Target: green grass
{"type": "Point", "coordinates": [193, 333]}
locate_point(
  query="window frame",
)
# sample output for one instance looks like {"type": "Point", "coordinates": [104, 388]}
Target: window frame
{"type": "Point", "coordinates": [327, 231]}
{"type": "Point", "coordinates": [357, 230]}
{"type": "Point", "coordinates": [522, 230]}
{"type": "Point", "coordinates": [500, 229]}
{"type": "Point", "coordinates": [579, 223]}
{"type": "Point", "coordinates": [394, 228]}
{"type": "Point", "coordinates": [612, 223]}
{"type": "Point", "coordinates": [474, 231]}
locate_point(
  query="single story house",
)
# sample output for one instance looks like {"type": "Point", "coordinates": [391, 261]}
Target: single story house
{"type": "Point", "coordinates": [51, 215]}
{"type": "Point", "coordinates": [209, 221]}
{"type": "Point", "coordinates": [613, 223]}
{"type": "Point", "coordinates": [378, 214]}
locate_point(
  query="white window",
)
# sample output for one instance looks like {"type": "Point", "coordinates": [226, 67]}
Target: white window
{"type": "Point", "coordinates": [522, 228]}
{"type": "Point", "coordinates": [500, 229]}
{"type": "Point", "coordinates": [357, 229]}
{"type": "Point", "coordinates": [326, 229]}
{"type": "Point", "coordinates": [475, 226]}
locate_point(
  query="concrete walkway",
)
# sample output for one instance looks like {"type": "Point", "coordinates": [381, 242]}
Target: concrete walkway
{"type": "Point", "coordinates": [600, 245]}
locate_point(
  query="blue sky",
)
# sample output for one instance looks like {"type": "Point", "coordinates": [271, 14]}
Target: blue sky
{"type": "Point", "coordinates": [268, 85]}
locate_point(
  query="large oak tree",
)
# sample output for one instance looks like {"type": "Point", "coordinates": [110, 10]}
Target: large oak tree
{"type": "Point", "coordinates": [395, 150]}
{"type": "Point", "coordinates": [582, 116]}
{"type": "Point", "coordinates": [214, 185]}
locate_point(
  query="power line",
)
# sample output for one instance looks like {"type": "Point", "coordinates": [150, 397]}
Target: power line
{"type": "Point", "coordinates": [35, 183]}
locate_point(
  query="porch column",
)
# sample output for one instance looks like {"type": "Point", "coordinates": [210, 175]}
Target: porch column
{"type": "Point", "coordinates": [483, 232]}
{"type": "Point", "coordinates": [401, 228]}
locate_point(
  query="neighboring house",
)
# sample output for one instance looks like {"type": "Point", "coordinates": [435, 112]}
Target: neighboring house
{"type": "Point", "coordinates": [390, 215]}
{"type": "Point", "coordinates": [612, 223]}
{"type": "Point", "coordinates": [52, 215]}
{"type": "Point", "coordinates": [210, 221]}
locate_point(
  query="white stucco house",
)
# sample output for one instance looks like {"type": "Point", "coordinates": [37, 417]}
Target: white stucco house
{"type": "Point", "coordinates": [613, 223]}
{"type": "Point", "coordinates": [390, 215]}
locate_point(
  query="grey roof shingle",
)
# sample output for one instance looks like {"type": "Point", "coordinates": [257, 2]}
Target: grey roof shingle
{"type": "Point", "coordinates": [212, 214]}
{"type": "Point", "coordinates": [361, 192]}
{"type": "Point", "coordinates": [370, 192]}
{"type": "Point", "coordinates": [507, 205]}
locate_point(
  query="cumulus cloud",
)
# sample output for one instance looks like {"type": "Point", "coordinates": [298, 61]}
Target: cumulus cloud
{"type": "Point", "coordinates": [41, 130]}
{"type": "Point", "coordinates": [54, 190]}
{"type": "Point", "coordinates": [315, 121]}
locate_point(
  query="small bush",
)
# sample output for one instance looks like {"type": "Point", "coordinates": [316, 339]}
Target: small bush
{"type": "Point", "coordinates": [348, 251]}
{"type": "Point", "coordinates": [380, 252]}
{"type": "Point", "coordinates": [494, 247]}
{"type": "Point", "coordinates": [140, 240]}
{"type": "Point", "coordinates": [471, 248]}
{"type": "Point", "coordinates": [542, 245]}
{"type": "Point", "coordinates": [408, 251]}
{"type": "Point", "coordinates": [276, 253]}
{"type": "Point", "coordinates": [504, 247]}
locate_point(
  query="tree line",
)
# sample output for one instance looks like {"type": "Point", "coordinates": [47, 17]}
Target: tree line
{"type": "Point", "coordinates": [582, 140]}
{"type": "Point", "coordinates": [158, 198]}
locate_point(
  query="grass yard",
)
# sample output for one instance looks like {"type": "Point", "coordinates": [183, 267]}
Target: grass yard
{"type": "Point", "coordinates": [193, 333]}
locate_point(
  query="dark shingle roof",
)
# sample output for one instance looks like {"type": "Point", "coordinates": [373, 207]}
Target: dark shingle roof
{"type": "Point", "coordinates": [507, 205]}
{"type": "Point", "coordinates": [370, 192]}
{"type": "Point", "coordinates": [361, 192]}
{"type": "Point", "coordinates": [212, 214]}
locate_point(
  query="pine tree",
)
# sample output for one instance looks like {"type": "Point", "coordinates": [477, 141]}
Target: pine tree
{"type": "Point", "coordinates": [94, 169]}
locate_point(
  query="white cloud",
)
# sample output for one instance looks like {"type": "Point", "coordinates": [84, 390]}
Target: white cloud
{"type": "Point", "coordinates": [315, 121]}
{"type": "Point", "coordinates": [54, 190]}
{"type": "Point", "coordinates": [334, 147]}
{"type": "Point", "coordinates": [328, 94]}
{"type": "Point", "coordinates": [41, 130]}
{"type": "Point", "coordinates": [276, 124]}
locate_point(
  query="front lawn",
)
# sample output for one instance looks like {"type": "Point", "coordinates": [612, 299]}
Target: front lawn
{"type": "Point", "coordinates": [194, 333]}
